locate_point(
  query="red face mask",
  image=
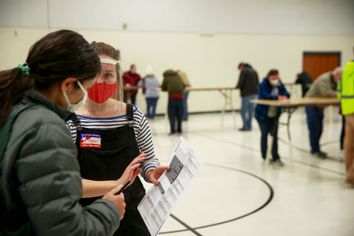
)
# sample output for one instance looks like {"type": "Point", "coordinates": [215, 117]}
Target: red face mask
{"type": "Point", "coordinates": [100, 92]}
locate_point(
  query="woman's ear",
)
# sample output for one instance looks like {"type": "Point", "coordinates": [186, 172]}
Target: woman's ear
{"type": "Point", "coordinates": [68, 85]}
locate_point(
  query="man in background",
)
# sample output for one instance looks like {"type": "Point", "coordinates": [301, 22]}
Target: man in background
{"type": "Point", "coordinates": [323, 86]}
{"type": "Point", "coordinates": [346, 89]}
{"type": "Point", "coordinates": [131, 79]}
{"type": "Point", "coordinates": [304, 79]}
{"type": "Point", "coordinates": [248, 84]}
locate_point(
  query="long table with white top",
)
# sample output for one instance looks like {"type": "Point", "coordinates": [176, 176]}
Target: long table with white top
{"type": "Point", "coordinates": [226, 92]}
{"type": "Point", "coordinates": [290, 105]}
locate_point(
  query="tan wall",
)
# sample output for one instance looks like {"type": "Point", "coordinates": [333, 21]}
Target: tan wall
{"type": "Point", "coordinates": [209, 60]}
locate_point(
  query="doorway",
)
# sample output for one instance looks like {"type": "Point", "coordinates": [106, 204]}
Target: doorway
{"type": "Point", "coordinates": [316, 63]}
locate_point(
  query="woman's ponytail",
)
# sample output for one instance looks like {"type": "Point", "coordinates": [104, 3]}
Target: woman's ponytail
{"type": "Point", "coordinates": [14, 83]}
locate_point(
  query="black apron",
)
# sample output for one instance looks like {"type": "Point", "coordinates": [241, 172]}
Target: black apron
{"type": "Point", "coordinates": [107, 161]}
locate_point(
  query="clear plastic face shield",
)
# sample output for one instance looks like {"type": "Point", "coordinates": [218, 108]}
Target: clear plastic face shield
{"type": "Point", "coordinates": [108, 88]}
{"type": "Point", "coordinates": [108, 83]}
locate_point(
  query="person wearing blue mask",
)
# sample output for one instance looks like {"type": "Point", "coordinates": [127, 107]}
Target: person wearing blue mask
{"type": "Point", "coordinates": [267, 116]}
{"type": "Point", "coordinates": [39, 172]}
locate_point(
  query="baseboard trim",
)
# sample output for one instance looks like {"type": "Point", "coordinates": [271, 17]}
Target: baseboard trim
{"type": "Point", "coordinates": [204, 112]}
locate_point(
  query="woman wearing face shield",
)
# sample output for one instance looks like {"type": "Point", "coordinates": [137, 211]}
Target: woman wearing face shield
{"type": "Point", "coordinates": [113, 137]}
{"type": "Point", "coordinates": [40, 184]}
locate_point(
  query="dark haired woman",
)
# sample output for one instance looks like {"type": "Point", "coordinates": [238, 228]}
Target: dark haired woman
{"type": "Point", "coordinates": [40, 184]}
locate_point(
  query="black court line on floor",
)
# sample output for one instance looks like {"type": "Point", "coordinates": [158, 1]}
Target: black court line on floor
{"type": "Point", "coordinates": [184, 224]}
{"type": "Point", "coordinates": [254, 149]}
{"type": "Point", "coordinates": [270, 197]}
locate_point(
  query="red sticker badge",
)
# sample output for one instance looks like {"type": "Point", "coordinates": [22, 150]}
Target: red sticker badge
{"type": "Point", "coordinates": [90, 141]}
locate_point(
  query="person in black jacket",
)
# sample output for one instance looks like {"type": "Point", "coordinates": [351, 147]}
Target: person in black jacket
{"type": "Point", "coordinates": [248, 85]}
{"type": "Point", "coordinates": [304, 79]}
{"type": "Point", "coordinates": [40, 183]}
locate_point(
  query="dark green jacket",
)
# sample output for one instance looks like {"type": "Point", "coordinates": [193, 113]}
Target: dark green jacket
{"type": "Point", "coordinates": [172, 83]}
{"type": "Point", "coordinates": [40, 179]}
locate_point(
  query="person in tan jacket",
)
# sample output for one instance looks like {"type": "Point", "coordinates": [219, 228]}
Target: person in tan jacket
{"type": "Point", "coordinates": [323, 86]}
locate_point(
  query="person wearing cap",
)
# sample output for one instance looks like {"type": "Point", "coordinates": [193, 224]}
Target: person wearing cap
{"type": "Point", "coordinates": [112, 136]}
{"type": "Point", "coordinates": [151, 89]}
{"type": "Point", "coordinates": [346, 89]}
{"type": "Point", "coordinates": [131, 78]}
{"type": "Point", "coordinates": [323, 86]}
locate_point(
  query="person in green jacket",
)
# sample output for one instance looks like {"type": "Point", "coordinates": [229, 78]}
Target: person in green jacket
{"type": "Point", "coordinates": [173, 84]}
{"type": "Point", "coordinates": [40, 183]}
{"type": "Point", "coordinates": [346, 89]}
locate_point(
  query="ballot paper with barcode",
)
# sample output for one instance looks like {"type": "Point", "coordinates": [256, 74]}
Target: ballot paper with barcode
{"type": "Point", "coordinates": [156, 205]}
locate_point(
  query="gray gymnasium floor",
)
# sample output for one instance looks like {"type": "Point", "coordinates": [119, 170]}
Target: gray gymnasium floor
{"type": "Point", "coordinates": [237, 193]}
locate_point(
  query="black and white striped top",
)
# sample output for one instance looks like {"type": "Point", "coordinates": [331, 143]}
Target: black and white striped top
{"type": "Point", "coordinates": [141, 129]}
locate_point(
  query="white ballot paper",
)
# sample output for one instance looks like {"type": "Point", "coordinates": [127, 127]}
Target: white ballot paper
{"type": "Point", "coordinates": [158, 201]}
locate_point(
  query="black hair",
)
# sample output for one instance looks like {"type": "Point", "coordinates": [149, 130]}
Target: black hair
{"type": "Point", "coordinates": [52, 59]}
{"type": "Point", "coordinates": [273, 72]}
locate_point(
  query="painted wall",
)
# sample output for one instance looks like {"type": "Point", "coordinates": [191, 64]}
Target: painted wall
{"type": "Point", "coordinates": [323, 17]}
{"type": "Point", "coordinates": [205, 38]}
